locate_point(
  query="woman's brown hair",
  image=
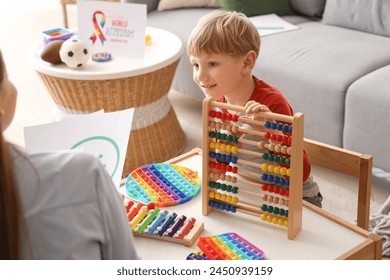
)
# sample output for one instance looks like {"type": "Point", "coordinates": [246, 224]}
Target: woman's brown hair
{"type": "Point", "coordinates": [11, 214]}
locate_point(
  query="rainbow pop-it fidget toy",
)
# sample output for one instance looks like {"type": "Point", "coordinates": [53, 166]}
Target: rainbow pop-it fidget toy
{"type": "Point", "coordinates": [229, 246]}
{"type": "Point", "coordinates": [162, 183]}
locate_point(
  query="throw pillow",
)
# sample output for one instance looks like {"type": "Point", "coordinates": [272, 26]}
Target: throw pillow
{"type": "Point", "coordinates": [151, 4]}
{"type": "Point", "coordinates": [309, 8]}
{"type": "Point", "coordinates": [257, 7]}
{"type": "Point", "coordinates": [368, 16]}
{"type": "Point", "coordinates": [177, 4]}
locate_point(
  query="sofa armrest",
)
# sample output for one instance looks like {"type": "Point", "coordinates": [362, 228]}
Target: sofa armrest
{"type": "Point", "coordinates": [151, 4]}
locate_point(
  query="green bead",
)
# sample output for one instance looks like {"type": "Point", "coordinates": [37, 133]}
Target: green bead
{"type": "Point", "coordinates": [265, 156]}
{"type": "Point", "coordinates": [211, 184]}
{"type": "Point", "coordinates": [283, 160]}
{"type": "Point", "coordinates": [235, 190]}
{"type": "Point", "coordinates": [282, 212]}
{"type": "Point", "coordinates": [235, 139]}
{"type": "Point", "coordinates": [270, 209]}
{"type": "Point", "coordinates": [212, 134]}
{"type": "Point", "coordinates": [223, 136]}
{"type": "Point", "coordinates": [223, 187]}
{"type": "Point", "coordinates": [264, 207]}
{"type": "Point", "coordinates": [229, 188]}
{"type": "Point", "coordinates": [276, 211]}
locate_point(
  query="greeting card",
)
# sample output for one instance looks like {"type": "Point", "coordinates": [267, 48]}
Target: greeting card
{"type": "Point", "coordinates": [114, 28]}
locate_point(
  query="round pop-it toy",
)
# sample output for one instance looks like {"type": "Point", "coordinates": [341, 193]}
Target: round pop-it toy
{"type": "Point", "coordinates": [162, 183]}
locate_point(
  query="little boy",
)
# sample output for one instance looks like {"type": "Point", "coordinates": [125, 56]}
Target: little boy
{"type": "Point", "coordinates": [223, 49]}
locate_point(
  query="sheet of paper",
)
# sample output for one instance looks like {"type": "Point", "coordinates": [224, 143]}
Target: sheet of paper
{"type": "Point", "coordinates": [116, 28]}
{"type": "Point", "coordinates": [271, 24]}
{"type": "Point", "coordinates": [104, 135]}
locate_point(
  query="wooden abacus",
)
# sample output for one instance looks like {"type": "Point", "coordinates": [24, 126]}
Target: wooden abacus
{"type": "Point", "coordinates": [220, 165]}
{"type": "Point", "coordinates": [148, 221]}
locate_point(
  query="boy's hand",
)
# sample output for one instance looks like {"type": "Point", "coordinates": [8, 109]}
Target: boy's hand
{"type": "Point", "coordinates": [253, 107]}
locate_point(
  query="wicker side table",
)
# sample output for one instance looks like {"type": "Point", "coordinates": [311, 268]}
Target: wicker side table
{"type": "Point", "coordinates": [124, 83]}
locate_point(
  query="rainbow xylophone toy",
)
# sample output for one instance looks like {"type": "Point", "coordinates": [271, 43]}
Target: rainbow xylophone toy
{"type": "Point", "coordinates": [148, 221]}
{"type": "Point", "coordinates": [270, 174]}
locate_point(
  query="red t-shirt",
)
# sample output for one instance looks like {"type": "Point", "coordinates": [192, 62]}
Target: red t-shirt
{"type": "Point", "coordinates": [277, 103]}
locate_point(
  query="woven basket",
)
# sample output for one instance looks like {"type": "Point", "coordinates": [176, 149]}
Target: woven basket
{"type": "Point", "coordinates": [155, 143]}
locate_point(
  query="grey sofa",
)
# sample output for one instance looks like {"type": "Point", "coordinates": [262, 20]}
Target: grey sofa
{"type": "Point", "coordinates": [333, 69]}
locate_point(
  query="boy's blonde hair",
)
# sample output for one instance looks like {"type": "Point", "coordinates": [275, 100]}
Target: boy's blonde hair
{"type": "Point", "coordinates": [229, 33]}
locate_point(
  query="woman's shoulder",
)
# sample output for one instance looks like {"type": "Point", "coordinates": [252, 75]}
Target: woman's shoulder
{"type": "Point", "coordinates": [57, 176]}
{"type": "Point", "coordinates": [72, 160]}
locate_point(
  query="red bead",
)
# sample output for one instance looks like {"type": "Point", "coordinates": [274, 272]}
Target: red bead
{"type": "Point", "coordinates": [212, 113]}
{"type": "Point", "coordinates": [270, 188]}
{"type": "Point", "coordinates": [234, 169]}
{"type": "Point", "coordinates": [264, 187]}
{"type": "Point", "coordinates": [267, 135]}
{"type": "Point", "coordinates": [235, 118]}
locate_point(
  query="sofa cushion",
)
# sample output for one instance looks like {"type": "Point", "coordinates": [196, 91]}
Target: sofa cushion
{"type": "Point", "coordinates": [178, 4]}
{"type": "Point", "coordinates": [318, 63]}
{"type": "Point", "coordinates": [150, 4]}
{"type": "Point", "coordinates": [368, 16]}
{"type": "Point", "coordinates": [366, 128]}
{"type": "Point", "coordinates": [259, 7]}
{"type": "Point", "coordinates": [310, 8]}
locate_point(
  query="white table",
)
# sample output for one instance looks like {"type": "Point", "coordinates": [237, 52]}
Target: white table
{"type": "Point", "coordinates": [140, 83]}
{"type": "Point", "coordinates": [323, 236]}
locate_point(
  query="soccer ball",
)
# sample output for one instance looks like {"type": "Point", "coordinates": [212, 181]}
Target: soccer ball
{"type": "Point", "coordinates": [74, 53]}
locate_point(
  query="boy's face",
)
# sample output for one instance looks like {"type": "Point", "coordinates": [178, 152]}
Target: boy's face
{"type": "Point", "coordinates": [218, 74]}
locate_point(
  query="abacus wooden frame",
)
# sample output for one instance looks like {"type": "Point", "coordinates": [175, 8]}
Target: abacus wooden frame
{"type": "Point", "coordinates": [295, 188]}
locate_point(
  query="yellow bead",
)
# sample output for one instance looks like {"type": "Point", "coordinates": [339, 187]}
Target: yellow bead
{"type": "Point", "coordinates": [288, 172]}
{"type": "Point", "coordinates": [264, 167]}
{"type": "Point", "coordinates": [229, 199]}
{"type": "Point", "coordinates": [222, 147]}
{"type": "Point", "coordinates": [212, 145]}
{"type": "Point", "coordinates": [277, 170]}
{"type": "Point", "coordinates": [281, 222]}
{"type": "Point", "coordinates": [271, 168]}
{"type": "Point", "coordinates": [211, 194]}
{"type": "Point", "coordinates": [269, 218]}
{"type": "Point", "coordinates": [286, 223]}
{"type": "Point", "coordinates": [283, 171]}
{"type": "Point", "coordinates": [263, 217]}
{"type": "Point", "coordinates": [275, 220]}
{"type": "Point", "coordinates": [228, 148]}
{"type": "Point", "coordinates": [148, 39]}
{"type": "Point", "coordinates": [234, 149]}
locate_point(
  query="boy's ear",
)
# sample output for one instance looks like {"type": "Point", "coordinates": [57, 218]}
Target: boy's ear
{"type": "Point", "coordinates": [249, 61]}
